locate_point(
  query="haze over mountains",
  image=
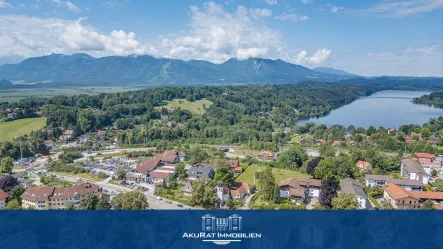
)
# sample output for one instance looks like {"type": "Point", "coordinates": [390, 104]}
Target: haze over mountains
{"type": "Point", "coordinates": [329, 70]}
{"type": "Point", "coordinates": [148, 70]}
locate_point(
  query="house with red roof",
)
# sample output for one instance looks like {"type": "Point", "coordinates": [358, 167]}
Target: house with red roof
{"type": "Point", "coordinates": [53, 198]}
{"type": "Point", "coordinates": [234, 165]}
{"type": "Point", "coordinates": [3, 198]}
{"type": "Point", "coordinates": [400, 198]}
{"type": "Point", "coordinates": [240, 189]}
{"type": "Point", "coordinates": [101, 134]}
{"type": "Point", "coordinates": [363, 165]}
{"type": "Point", "coordinates": [49, 143]}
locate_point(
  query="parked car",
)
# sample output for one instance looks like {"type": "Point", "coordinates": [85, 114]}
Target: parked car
{"type": "Point", "coordinates": [179, 205]}
{"type": "Point", "coordinates": [158, 198]}
{"type": "Point", "coordinates": [168, 201]}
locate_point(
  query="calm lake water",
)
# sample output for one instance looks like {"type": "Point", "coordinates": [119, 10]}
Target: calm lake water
{"type": "Point", "coordinates": [385, 108]}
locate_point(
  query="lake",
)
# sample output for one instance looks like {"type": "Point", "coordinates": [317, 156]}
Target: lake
{"type": "Point", "coordinates": [385, 108]}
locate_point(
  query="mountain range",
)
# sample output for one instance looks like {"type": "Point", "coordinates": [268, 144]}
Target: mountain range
{"type": "Point", "coordinates": [329, 70]}
{"type": "Point", "coordinates": [146, 70]}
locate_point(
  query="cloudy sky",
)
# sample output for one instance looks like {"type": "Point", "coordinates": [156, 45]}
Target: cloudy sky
{"type": "Point", "coordinates": [377, 37]}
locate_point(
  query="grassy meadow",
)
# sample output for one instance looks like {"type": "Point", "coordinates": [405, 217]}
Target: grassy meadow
{"type": "Point", "coordinates": [279, 174]}
{"type": "Point", "coordinates": [9, 130]}
{"type": "Point", "coordinates": [195, 107]}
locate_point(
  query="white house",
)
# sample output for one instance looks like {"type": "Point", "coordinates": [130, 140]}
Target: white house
{"type": "Point", "coordinates": [3, 197]}
{"type": "Point", "coordinates": [222, 193]}
{"type": "Point", "coordinates": [413, 170]}
{"type": "Point", "coordinates": [352, 186]}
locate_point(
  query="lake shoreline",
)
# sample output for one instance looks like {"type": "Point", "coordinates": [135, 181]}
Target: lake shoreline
{"type": "Point", "coordinates": [388, 108]}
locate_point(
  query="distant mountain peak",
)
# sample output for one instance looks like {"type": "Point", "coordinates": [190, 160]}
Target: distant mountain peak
{"type": "Point", "coordinates": [145, 69]}
{"type": "Point", "coordinates": [330, 70]}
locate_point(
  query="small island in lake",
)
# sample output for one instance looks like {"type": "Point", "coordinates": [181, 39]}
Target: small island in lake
{"type": "Point", "coordinates": [435, 98]}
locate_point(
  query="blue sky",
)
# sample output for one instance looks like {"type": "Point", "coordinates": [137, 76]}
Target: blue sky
{"type": "Point", "coordinates": [379, 37]}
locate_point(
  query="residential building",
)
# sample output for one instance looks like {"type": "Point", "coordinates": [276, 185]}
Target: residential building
{"type": "Point", "coordinates": [424, 195]}
{"type": "Point", "coordinates": [299, 188]}
{"type": "Point", "coordinates": [182, 156]}
{"type": "Point", "coordinates": [101, 134]}
{"type": "Point", "coordinates": [222, 193]}
{"type": "Point", "coordinates": [49, 143]}
{"type": "Point", "coordinates": [240, 190]}
{"type": "Point", "coordinates": [135, 177]}
{"type": "Point", "coordinates": [427, 160]}
{"type": "Point", "coordinates": [320, 141]}
{"type": "Point", "coordinates": [234, 165]}
{"type": "Point", "coordinates": [67, 135]}
{"type": "Point", "coordinates": [362, 165]}
{"type": "Point", "coordinates": [197, 172]}
{"type": "Point", "coordinates": [266, 155]}
{"type": "Point", "coordinates": [413, 170]}
{"type": "Point", "coordinates": [400, 198]}
{"type": "Point", "coordinates": [408, 184]}
{"type": "Point", "coordinates": [3, 198]}
{"type": "Point", "coordinates": [381, 180]}
{"type": "Point", "coordinates": [154, 170]}
{"type": "Point", "coordinates": [187, 188]}
{"type": "Point", "coordinates": [168, 156]}
{"type": "Point", "coordinates": [354, 187]}
{"type": "Point", "coordinates": [51, 198]}
{"type": "Point", "coordinates": [337, 143]}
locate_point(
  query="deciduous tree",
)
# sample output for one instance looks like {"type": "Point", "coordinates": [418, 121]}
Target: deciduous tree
{"type": "Point", "coordinates": [328, 192]}
{"type": "Point", "coordinates": [134, 200]}
{"type": "Point", "coordinates": [310, 168]}
{"type": "Point", "coordinates": [345, 201]}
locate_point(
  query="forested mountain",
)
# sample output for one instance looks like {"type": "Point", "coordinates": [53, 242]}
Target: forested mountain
{"type": "Point", "coordinates": [330, 70]}
{"type": "Point", "coordinates": [147, 70]}
{"type": "Point", "coordinates": [5, 83]}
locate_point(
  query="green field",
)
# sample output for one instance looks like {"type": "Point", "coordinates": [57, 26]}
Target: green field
{"type": "Point", "coordinates": [195, 107]}
{"type": "Point", "coordinates": [279, 174]}
{"type": "Point", "coordinates": [13, 95]}
{"type": "Point", "coordinates": [9, 130]}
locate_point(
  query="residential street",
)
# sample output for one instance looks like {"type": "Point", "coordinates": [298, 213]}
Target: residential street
{"type": "Point", "coordinates": [153, 202]}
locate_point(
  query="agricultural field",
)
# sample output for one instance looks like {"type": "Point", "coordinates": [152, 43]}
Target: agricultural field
{"type": "Point", "coordinates": [9, 130]}
{"type": "Point", "coordinates": [196, 107]}
{"type": "Point", "coordinates": [279, 174]}
{"type": "Point", "coordinates": [13, 95]}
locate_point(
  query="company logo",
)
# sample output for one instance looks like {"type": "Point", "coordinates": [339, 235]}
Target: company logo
{"type": "Point", "coordinates": [222, 231]}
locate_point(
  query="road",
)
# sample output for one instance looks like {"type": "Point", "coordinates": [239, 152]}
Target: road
{"type": "Point", "coordinates": [152, 201]}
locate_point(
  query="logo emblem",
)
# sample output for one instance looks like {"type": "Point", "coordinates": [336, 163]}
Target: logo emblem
{"type": "Point", "coordinates": [222, 231]}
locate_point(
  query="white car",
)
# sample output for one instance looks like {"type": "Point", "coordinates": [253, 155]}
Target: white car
{"type": "Point", "coordinates": [158, 198]}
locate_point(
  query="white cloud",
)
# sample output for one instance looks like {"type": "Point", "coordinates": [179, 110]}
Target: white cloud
{"type": "Point", "coordinates": [319, 57]}
{"type": "Point", "coordinates": [291, 17]}
{"type": "Point", "coordinates": [218, 35]}
{"type": "Point", "coordinates": [214, 34]}
{"type": "Point", "coordinates": [30, 36]}
{"type": "Point", "coordinates": [4, 4]}
{"type": "Point", "coordinates": [67, 4]}
{"type": "Point", "coordinates": [336, 9]}
{"type": "Point", "coordinates": [271, 2]}
{"type": "Point", "coordinates": [399, 9]}
{"type": "Point", "coordinates": [306, 1]}
{"type": "Point", "coordinates": [257, 13]}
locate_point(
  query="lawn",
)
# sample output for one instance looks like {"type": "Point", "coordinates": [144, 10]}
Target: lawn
{"type": "Point", "coordinates": [279, 174]}
{"type": "Point", "coordinates": [195, 107]}
{"type": "Point", "coordinates": [86, 176]}
{"type": "Point", "coordinates": [12, 129]}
